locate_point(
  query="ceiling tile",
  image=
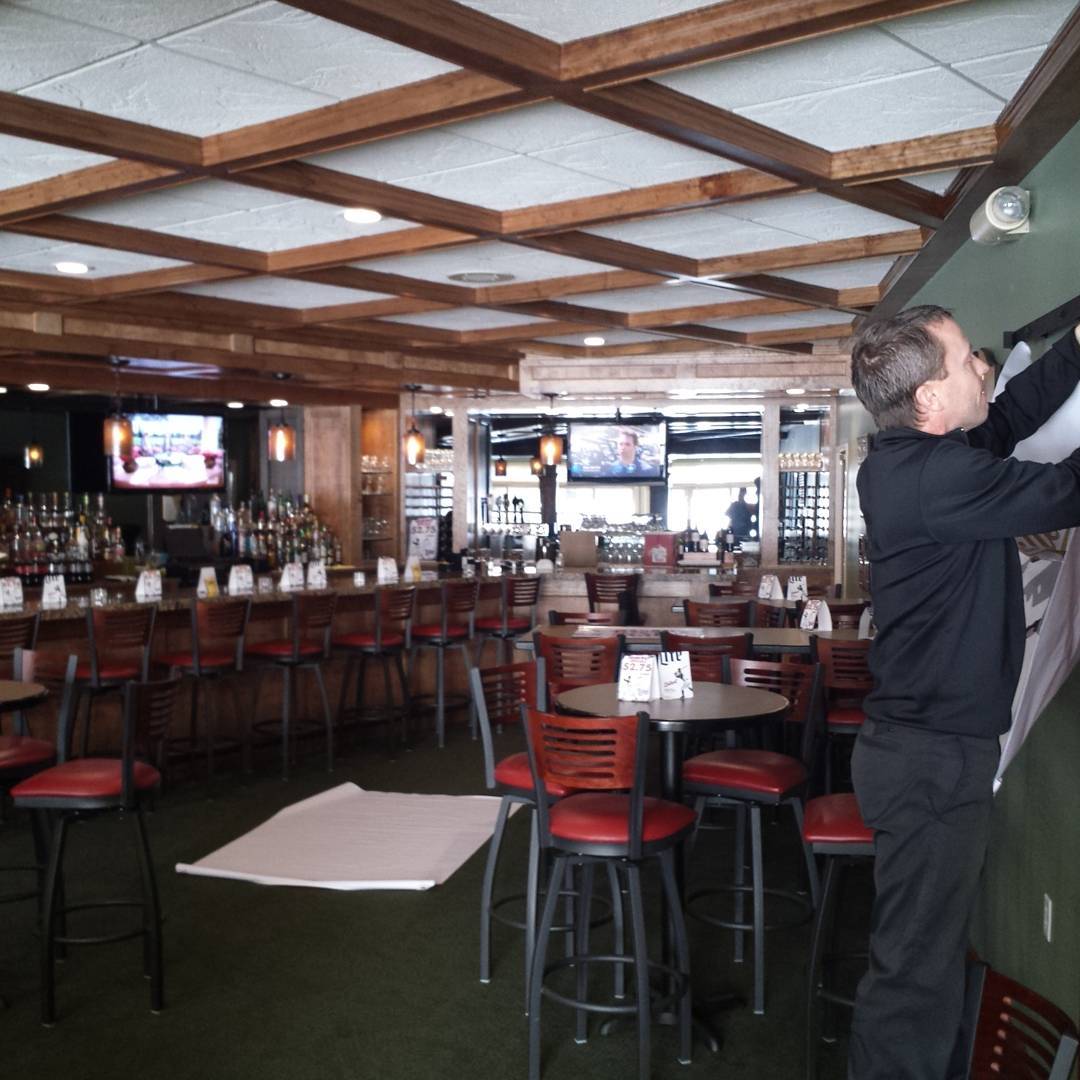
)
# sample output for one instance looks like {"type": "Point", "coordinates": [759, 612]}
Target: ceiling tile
{"type": "Point", "coordinates": [292, 46]}
{"type": "Point", "coordinates": [1002, 74]}
{"type": "Point", "coordinates": [281, 292]}
{"type": "Point", "coordinates": [814, 216]}
{"type": "Point", "coordinates": [177, 205]}
{"type": "Point", "coordinates": [637, 159]}
{"type": "Point", "coordinates": [103, 262]}
{"type": "Point", "coordinates": [928, 102]}
{"type": "Point", "coordinates": [524, 263]}
{"type": "Point", "coordinates": [985, 28]}
{"type": "Point", "coordinates": [567, 20]}
{"type": "Point", "coordinates": [937, 182]}
{"type": "Point", "coordinates": [611, 337]}
{"type": "Point", "coordinates": [841, 275]}
{"type": "Point", "coordinates": [755, 324]}
{"type": "Point", "coordinates": [807, 67]}
{"type": "Point", "coordinates": [536, 127]}
{"type": "Point", "coordinates": [35, 47]}
{"type": "Point", "coordinates": [660, 297]}
{"type": "Point", "coordinates": [135, 18]}
{"type": "Point", "coordinates": [25, 160]}
{"type": "Point", "coordinates": [152, 85]}
{"type": "Point", "coordinates": [465, 318]}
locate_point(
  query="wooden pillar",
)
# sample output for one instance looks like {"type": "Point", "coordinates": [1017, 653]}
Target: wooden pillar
{"type": "Point", "coordinates": [769, 510]}
{"type": "Point", "coordinates": [463, 466]}
{"type": "Point", "coordinates": [331, 470]}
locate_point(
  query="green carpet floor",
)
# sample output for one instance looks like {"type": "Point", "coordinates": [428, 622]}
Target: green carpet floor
{"type": "Point", "coordinates": [290, 984]}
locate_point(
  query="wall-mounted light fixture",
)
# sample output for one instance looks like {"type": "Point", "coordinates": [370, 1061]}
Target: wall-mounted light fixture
{"type": "Point", "coordinates": [551, 445]}
{"type": "Point", "coordinates": [1004, 216]}
{"type": "Point", "coordinates": [413, 441]}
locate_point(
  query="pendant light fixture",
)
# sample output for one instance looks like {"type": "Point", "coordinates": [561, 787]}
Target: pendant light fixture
{"type": "Point", "coordinates": [551, 445]}
{"type": "Point", "coordinates": [118, 437]}
{"type": "Point", "coordinates": [281, 440]}
{"type": "Point", "coordinates": [536, 466]}
{"type": "Point", "coordinates": [500, 466]}
{"type": "Point", "coordinates": [33, 455]}
{"type": "Point", "coordinates": [413, 442]}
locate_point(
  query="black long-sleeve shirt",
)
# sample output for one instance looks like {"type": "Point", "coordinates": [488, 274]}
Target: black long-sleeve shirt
{"type": "Point", "coordinates": [941, 512]}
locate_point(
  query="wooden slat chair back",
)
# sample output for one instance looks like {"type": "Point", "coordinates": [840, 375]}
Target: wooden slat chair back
{"type": "Point", "coordinates": [731, 613]}
{"type": "Point", "coordinates": [16, 632]}
{"type": "Point", "coordinates": [707, 655]}
{"type": "Point", "coordinates": [571, 663]}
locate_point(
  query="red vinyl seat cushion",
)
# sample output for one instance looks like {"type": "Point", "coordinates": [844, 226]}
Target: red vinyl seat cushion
{"type": "Point", "coordinates": [835, 819]}
{"type": "Point", "coordinates": [514, 772]}
{"type": "Point", "coordinates": [282, 649]}
{"type": "Point", "coordinates": [846, 716]}
{"type": "Point", "coordinates": [364, 639]}
{"type": "Point", "coordinates": [494, 622]}
{"type": "Point", "coordinates": [209, 658]}
{"type": "Point", "coordinates": [603, 818]}
{"type": "Point", "coordinates": [23, 752]}
{"type": "Point", "coordinates": [84, 778]}
{"type": "Point", "coordinates": [752, 771]}
{"type": "Point", "coordinates": [110, 670]}
{"type": "Point", "coordinates": [434, 630]}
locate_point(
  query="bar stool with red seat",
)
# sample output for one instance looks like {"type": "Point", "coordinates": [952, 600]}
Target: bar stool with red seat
{"type": "Point", "coordinates": [18, 631]}
{"type": "Point", "coordinates": [218, 627]}
{"type": "Point", "coordinates": [307, 646]}
{"type": "Point", "coordinates": [120, 639]}
{"type": "Point", "coordinates": [455, 629]}
{"type": "Point", "coordinates": [387, 643]}
{"type": "Point", "coordinates": [727, 613]}
{"type": "Point", "coordinates": [82, 788]}
{"type": "Point", "coordinates": [517, 615]}
{"type": "Point", "coordinates": [618, 590]}
{"type": "Point", "coordinates": [748, 779]}
{"type": "Point", "coordinates": [609, 821]}
{"type": "Point", "coordinates": [834, 829]}
{"type": "Point", "coordinates": [572, 662]}
{"type": "Point", "coordinates": [847, 680]}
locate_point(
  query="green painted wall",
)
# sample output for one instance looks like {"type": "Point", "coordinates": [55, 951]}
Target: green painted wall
{"type": "Point", "coordinates": [1035, 847]}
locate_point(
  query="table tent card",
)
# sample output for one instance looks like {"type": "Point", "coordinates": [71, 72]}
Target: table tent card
{"type": "Point", "coordinates": [148, 587]}
{"type": "Point", "coordinates": [265, 583]}
{"type": "Point", "coordinates": [769, 588]}
{"type": "Point", "coordinates": [208, 586]}
{"type": "Point", "coordinates": [387, 571]}
{"type": "Point", "coordinates": [412, 568]}
{"type": "Point", "coordinates": [359, 579]}
{"type": "Point", "coordinates": [815, 616]}
{"type": "Point", "coordinates": [639, 678]}
{"type": "Point", "coordinates": [53, 592]}
{"type": "Point", "coordinates": [292, 578]}
{"type": "Point", "coordinates": [241, 580]}
{"type": "Point", "coordinates": [676, 682]}
{"type": "Point", "coordinates": [11, 594]}
{"type": "Point", "coordinates": [796, 587]}
{"type": "Point", "coordinates": [316, 574]}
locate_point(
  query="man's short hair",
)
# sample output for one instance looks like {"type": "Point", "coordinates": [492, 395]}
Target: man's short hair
{"type": "Point", "coordinates": [630, 433]}
{"type": "Point", "coordinates": [892, 358]}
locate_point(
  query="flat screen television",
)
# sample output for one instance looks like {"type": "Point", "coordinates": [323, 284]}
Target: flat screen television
{"type": "Point", "coordinates": [622, 452]}
{"type": "Point", "coordinates": [171, 452]}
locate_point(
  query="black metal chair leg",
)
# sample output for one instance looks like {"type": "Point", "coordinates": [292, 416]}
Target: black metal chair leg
{"type": "Point", "coordinates": [488, 887]}
{"type": "Point", "coordinates": [49, 921]}
{"type": "Point", "coordinates": [641, 968]}
{"type": "Point", "coordinates": [406, 700]}
{"type": "Point", "coordinates": [327, 717]}
{"type": "Point", "coordinates": [151, 916]}
{"type": "Point", "coordinates": [286, 705]}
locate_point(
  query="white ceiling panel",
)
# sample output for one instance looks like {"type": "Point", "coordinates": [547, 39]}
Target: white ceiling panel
{"type": "Point", "coordinates": [35, 47]}
{"type": "Point", "coordinates": [660, 297]}
{"type": "Point", "coordinates": [567, 20]}
{"type": "Point", "coordinates": [636, 159]}
{"type": "Point", "coordinates": [759, 324]}
{"type": "Point", "coordinates": [1003, 74]}
{"type": "Point", "coordinates": [103, 262]}
{"type": "Point", "coordinates": [465, 318]}
{"type": "Point", "coordinates": [929, 102]}
{"type": "Point", "coordinates": [937, 182]}
{"type": "Point", "coordinates": [814, 216]}
{"type": "Point", "coordinates": [281, 292]}
{"type": "Point", "coordinates": [177, 205]}
{"type": "Point", "coordinates": [292, 46]}
{"type": "Point", "coordinates": [22, 161]}
{"type": "Point", "coordinates": [841, 275]}
{"type": "Point", "coordinates": [791, 71]}
{"type": "Point", "coordinates": [524, 264]}
{"type": "Point", "coordinates": [152, 85]}
{"type": "Point", "coordinates": [986, 28]}
{"type": "Point", "coordinates": [536, 127]}
{"type": "Point", "coordinates": [611, 337]}
{"type": "Point", "coordinates": [135, 18]}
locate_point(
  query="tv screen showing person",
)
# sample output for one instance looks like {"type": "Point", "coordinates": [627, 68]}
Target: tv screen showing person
{"type": "Point", "coordinates": [616, 451]}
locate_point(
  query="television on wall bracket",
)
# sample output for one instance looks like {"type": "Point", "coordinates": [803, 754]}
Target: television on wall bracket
{"type": "Point", "coordinates": [623, 451]}
{"type": "Point", "coordinates": [170, 452]}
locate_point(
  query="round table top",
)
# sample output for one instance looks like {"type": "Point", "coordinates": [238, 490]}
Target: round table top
{"type": "Point", "coordinates": [713, 704]}
{"type": "Point", "coordinates": [15, 694]}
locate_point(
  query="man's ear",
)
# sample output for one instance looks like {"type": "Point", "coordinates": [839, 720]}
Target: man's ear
{"type": "Point", "coordinates": [926, 399]}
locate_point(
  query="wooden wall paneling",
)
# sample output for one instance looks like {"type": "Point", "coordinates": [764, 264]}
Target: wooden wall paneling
{"type": "Point", "coordinates": [332, 471]}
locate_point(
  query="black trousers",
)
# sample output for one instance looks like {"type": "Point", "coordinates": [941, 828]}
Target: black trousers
{"type": "Point", "coordinates": [927, 795]}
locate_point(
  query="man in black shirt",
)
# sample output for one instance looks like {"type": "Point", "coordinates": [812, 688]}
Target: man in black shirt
{"type": "Point", "coordinates": [942, 502]}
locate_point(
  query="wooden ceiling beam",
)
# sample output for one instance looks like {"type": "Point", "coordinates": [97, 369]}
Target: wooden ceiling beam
{"type": "Point", "coordinates": [548, 288]}
{"type": "Point", "coordinates": [711, 333]}
{"type": "Point", "coordinates": [381, 245]}
{"type": "Point", "coordinates": [804, 334]}
{"type": "Point", "coordinates": [352, 277]}
{"type": "Point", "coordinates": [735, 309]}
{"type": "Point", "coordinates": [908, 157]}
{"type": "Point", "coordinates": [151, 281]}
{"type": "Point", "coordinates": [565, 314]}
{"type": "Point", "coordinates": [616, 253]}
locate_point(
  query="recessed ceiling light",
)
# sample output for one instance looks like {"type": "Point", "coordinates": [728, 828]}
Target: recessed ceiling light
{"type": "Point", "coordinates": [362, 215]}
{"type": "Point", "coordinates": [278, 402]}
{"type": "Point", "coordinates": [234, 404]}
{"type": "Point", "coordinates": [481, 277]}
{"type": "Point", "coordinates": [71, 267]}
{"type": "Point", "coordinates": [803, 406]}
{"type": "Point", "coordinates": [436, 409]}
{"type": "Point", "coordinates": [37, 387]}
{"type": "Point", "coordinates": [794, 391]}
{"type": "Point", "coordinates": [593, 339]}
